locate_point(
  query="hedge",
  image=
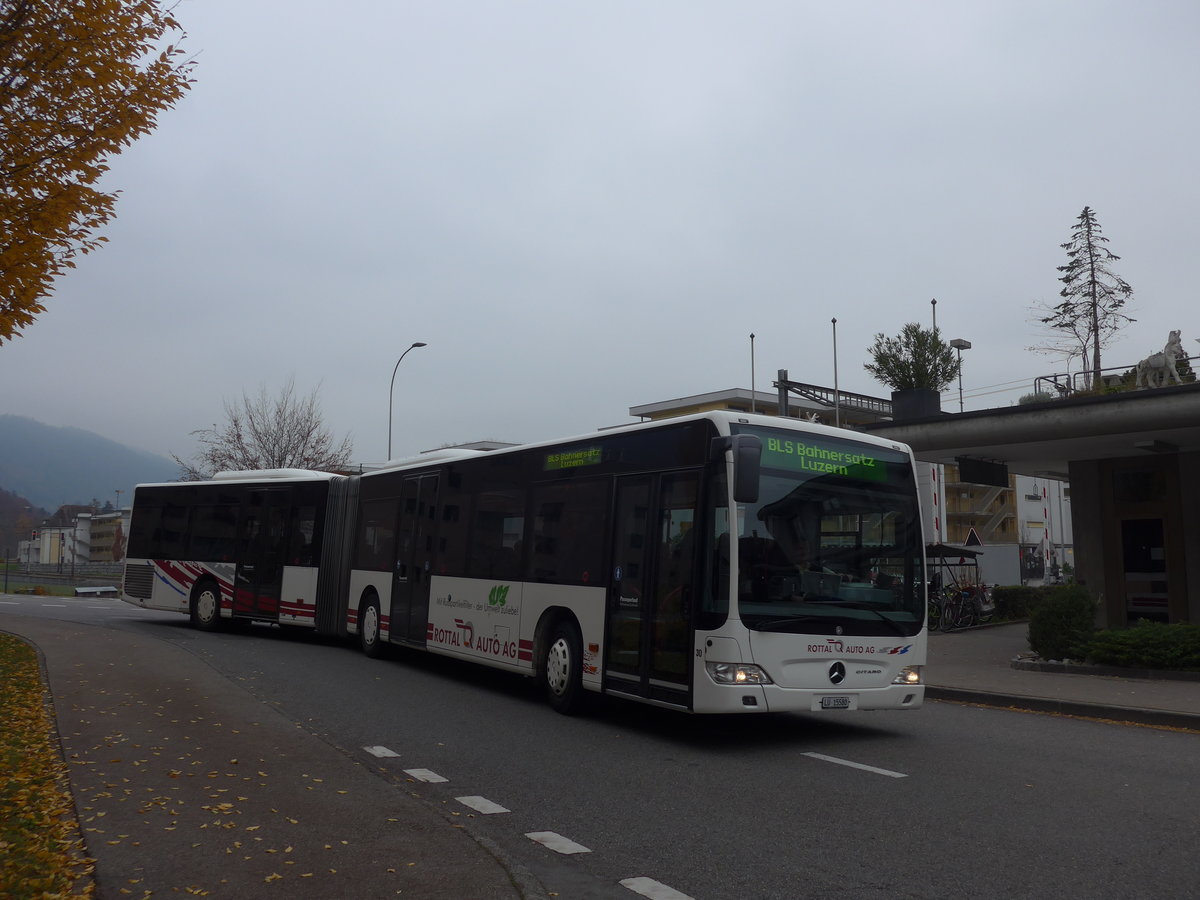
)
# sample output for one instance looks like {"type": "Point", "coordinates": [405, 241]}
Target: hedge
{"type": "Point", "coordinates": [1150, 645]}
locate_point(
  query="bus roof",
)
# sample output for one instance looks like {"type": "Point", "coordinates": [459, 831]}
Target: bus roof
{"type": "Point", "coordinates": [723, 419]}
{"type": "Point", "coordinates": [273, 474]}
{"type": "Point", "coordinates": [253, 475]}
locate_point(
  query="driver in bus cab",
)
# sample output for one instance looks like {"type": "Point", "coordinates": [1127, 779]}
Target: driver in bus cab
{"type": "Point", "coordinates": [785, 558]}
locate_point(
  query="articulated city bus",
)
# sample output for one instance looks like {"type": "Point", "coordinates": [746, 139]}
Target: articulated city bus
{"type": "Point", "coordinates": [713, 563]}
{"type": "Point", "coordinates": [247, 545]}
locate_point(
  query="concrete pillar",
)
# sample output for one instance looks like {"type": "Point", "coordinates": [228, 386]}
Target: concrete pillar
{"type": "Point", "coordinates": [1087, 519]}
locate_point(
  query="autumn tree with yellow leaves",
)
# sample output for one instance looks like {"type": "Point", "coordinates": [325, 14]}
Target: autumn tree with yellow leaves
{"type": "Point", "coordinates": [80, 80]}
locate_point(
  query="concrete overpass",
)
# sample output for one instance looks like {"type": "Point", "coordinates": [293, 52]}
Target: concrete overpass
{"type": "Point", "coordinates": [1133, 462]}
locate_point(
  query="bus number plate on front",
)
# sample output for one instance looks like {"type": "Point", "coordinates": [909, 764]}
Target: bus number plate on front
{"type": "Point", "coordinates": [837, 703]}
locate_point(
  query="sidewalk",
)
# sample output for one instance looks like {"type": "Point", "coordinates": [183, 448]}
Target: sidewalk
{"type": "Point", "coordinates": [975, 666]}
{"type": "Point", "coordinates": [186, 784]}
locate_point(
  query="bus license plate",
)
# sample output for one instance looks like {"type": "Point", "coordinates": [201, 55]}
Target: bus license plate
{"type": "Point", "coordinates": [837, 703]}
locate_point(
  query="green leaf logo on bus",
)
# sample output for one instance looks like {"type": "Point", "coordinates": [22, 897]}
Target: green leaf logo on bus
{"type": "Point", "coordinates": [498, 595]}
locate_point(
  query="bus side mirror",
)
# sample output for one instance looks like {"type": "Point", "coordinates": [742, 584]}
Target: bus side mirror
{"type": "Point", "coordinates": [747, 460]}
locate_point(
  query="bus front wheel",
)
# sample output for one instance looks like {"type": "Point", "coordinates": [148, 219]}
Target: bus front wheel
{"type": "Point", "coordinates": [206, 606]}
{"type": "Point", "coordinates": [562, 668]}
{"type": "Point", "coordinates": [369, 635]}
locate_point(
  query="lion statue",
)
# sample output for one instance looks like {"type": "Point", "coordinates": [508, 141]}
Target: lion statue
{"type": "Point", "coordinates": [1157, 368]}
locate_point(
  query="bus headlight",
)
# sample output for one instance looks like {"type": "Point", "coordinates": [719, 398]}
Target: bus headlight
{"type": "Point", "coordinates": [908, 675]}
{"type": "Point", "coordinates": [737, 673]}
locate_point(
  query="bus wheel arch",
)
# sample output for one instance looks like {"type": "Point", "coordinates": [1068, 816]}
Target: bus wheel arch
{"type": "Point", "coordinates": [370, 631]}
{"type": "Point", "coordinates": [559, 655]}
{"type": "Point", "coordinates": [204, 605]}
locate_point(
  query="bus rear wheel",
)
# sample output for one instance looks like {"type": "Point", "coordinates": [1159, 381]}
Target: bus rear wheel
{"type": "Point", "coordinates": [562, 668]}
{"type": "Point", "coordinates": [206, 606]}
{"type": "Point", "coordinates": [369, 635]}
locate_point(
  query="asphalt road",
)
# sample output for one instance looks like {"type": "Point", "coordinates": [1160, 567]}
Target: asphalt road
{"type": "Point", "coordinates": [948, 801]}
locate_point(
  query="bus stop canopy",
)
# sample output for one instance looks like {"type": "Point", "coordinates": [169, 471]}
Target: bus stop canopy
{"type": "Point", "coordinates": [943, 551]}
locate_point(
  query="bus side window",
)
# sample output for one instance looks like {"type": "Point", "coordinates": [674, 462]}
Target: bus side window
{"type": "Point", "coordinates": [451, 552]}
{"type": "Point", "coordinates": [143, 531]}
{"type": "Point", "coordinates": [568, 518]}
{"type": "Point", "coordinates": [496, 535]}
{"type": "Point", "coordinates": [304, 549]}
{"type": "Point", "coordinates": [714, 596]}
{"type": "Point", "coordinates": [170, 538]}
{"type": "Point", "coordinates": [214, 530]}
{"type": "Point", "coordinates": [376, 538]}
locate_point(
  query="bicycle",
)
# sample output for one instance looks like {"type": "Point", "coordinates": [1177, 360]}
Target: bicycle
{"type": "Point", "coordinates": [934, 614]}
{"type": "Point", "coordinates": [959, 609]}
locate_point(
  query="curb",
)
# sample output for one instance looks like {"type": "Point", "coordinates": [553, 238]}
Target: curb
{"type": "Point", "coordinates": [1072, 668]}
{"type": "Point", "coordinates": [1157, 718]}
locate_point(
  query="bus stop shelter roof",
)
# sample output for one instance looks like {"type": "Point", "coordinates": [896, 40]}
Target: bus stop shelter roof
{"type": "Point", "coordinates": [946, 551]}
{"type": "Point", "coordinates": [1042, 439]}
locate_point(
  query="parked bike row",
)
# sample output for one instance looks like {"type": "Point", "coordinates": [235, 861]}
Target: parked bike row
{"type": "Point", "coordinates": [959, 606]}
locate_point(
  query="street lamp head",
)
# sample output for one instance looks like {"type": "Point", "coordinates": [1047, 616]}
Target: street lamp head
{"type": "Point", "coordinates": [418, 344]}
{"type": "Point", "coordinates": [960, 344]}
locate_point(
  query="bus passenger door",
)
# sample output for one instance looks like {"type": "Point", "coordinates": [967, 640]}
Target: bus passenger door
{"type": "Point", "coordinates": [414, 558]}
{"type": "Point", "coordinates": [651, 586]}
{"type": "Point", "coordinates": [260, 555]}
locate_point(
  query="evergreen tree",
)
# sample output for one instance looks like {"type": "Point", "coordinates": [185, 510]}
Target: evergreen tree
{"type": "Point", "coordinates": [916, 358]}
{"type": "Point", "coordinates": [1093, 296]}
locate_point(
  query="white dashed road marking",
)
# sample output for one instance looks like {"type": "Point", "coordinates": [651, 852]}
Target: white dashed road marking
{"type": "Point", "coordinates": [854, 765]}
{"type": "Point", "coordinates": [425, 775]}
{"type": "Point", "coordinates": [482, 805]}
{"type": "Point", "coordinates": [381, 752]}
{"type": "Point", "coordinates": [556, 842]}
{"type": "Point", "coordinates": [655, 890]}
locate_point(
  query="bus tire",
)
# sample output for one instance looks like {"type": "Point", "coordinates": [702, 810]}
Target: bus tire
{"type": "Point", "coordinates": [205, 606]}
{"type": "Point", "coordinates": [562, 668]}
{"type": "Point", "coordinates": [370, 635]}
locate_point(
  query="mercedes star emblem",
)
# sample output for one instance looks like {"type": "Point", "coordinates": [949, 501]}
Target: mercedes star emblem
{"type": "Point", "coordinates": [837, 673]}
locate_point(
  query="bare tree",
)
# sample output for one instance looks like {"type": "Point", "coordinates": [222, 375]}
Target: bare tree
{"type": "Point", "coordinates": [287, 432]}
{"type": "Point", "coordinates": [1069, 341]}
{"type": "Point", "coordinates": [1091, 311]}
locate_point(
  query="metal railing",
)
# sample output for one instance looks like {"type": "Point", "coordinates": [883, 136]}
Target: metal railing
{"type": "Point", "coordinates": [1064, 384]}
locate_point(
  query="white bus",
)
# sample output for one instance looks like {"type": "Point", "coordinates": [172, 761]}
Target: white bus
{"type": "Point", "coordinates": [714, 563]}
{"type": "Point", "coordinates": [260, 546]}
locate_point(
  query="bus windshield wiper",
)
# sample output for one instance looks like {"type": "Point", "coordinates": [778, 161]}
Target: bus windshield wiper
{"type": "Point", "coordinates": [772, 624]}
{"type": "Point", "coordinates": [892, 623]}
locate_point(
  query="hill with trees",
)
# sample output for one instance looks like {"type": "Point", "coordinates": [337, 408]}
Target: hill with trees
{"type": "Point", "coordinates": [50, 466]}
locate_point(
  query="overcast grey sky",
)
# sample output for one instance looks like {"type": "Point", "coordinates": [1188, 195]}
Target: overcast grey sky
{"type": "Point", "coordinates": [583, 207]}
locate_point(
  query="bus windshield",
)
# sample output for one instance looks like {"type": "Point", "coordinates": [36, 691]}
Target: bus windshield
{"type": "Point", "coordinates": [833, 545]}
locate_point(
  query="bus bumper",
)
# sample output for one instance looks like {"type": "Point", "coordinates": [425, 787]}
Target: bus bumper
{"type": "Point", "coordinates": [892, 696]}
{"type": "Point", "coordinates": [773, 698]}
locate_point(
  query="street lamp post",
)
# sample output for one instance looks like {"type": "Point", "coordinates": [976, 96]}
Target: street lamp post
{"type": "Point", "coordinates": [392, 389]}
{"type": "Point", "coordinates": [753, 405]}
{"type": "Point", "coordinates": [960, 345]}
{"type": "Point", "coordinates": [837, 397]}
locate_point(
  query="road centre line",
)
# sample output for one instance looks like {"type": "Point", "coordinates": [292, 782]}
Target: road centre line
{"type": "Point", "coordinates": [854, 765]}
{"type": "Point", "coordinates": [482, 805]}
{"type": "Point", "coordinates": [556, 842]}
{"type": "Point", "coordinates": [426, 775]}
{"type": "Point", "coordinates": [655, 890]}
